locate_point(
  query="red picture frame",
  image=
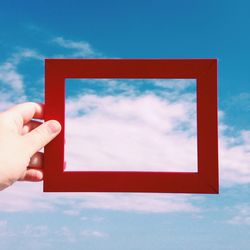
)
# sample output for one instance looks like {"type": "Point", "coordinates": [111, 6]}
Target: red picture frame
{"type": "Point", "coordinates": [205, 180]}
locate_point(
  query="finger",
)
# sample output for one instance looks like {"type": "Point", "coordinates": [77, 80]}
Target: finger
{"type": "Point", "coordinates": [41, 136]}
{"type": "Point", "coordinates": [23, 113]}
{"type": "Point", "coordinates": [30, 126]}
{"type": "Point", "coordinates": [33, 175]}
{"type": "Point", "coordinates": [34, 171]}
{"type": "Point", "coordinates": [36, 161]}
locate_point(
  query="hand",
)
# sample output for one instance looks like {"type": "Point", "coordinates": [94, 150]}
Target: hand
{"type": "Point", "coordinates": [20, 140]}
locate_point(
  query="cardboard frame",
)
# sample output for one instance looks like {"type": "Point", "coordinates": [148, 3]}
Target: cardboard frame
{"type": "Point", "coordinates": [205, 180]}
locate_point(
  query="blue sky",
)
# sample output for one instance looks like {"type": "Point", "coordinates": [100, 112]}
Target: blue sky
{"type": "Point", "coordinates": [34, 30]}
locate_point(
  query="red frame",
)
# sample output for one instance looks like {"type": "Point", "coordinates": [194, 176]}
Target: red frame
{"type": "Point", "coordinates": [203, 181]}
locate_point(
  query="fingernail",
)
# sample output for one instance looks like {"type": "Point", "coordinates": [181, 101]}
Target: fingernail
{"type": "Point", "coordinates": [54, 126]}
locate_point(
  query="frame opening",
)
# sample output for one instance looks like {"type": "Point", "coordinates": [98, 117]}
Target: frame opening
{"type": "Point", "coordinates": [131, 125]}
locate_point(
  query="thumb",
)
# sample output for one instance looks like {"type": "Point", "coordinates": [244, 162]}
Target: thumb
{"type": "Point", "coordinates": [41, 136]}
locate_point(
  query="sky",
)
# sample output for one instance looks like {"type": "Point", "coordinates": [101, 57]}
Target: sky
{"type": "Point", "coordinates": [137, 124]}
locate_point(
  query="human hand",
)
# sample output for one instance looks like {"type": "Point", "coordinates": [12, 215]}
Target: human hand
{"type": "Point", "coordinates": [20, 140]}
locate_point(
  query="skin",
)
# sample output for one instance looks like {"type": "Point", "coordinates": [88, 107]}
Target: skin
{"type": "Point", "coordinates": [20, 140]}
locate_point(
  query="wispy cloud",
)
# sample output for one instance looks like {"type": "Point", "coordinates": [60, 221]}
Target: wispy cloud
{"type": "Point", "coordinates": [21, 197]}
{"type": "Point", "coordinates": [35, 231]}
{"type": "Point", "coordinates": [43, 236]}
{"type": "Point", "coordinates": [144, 203]}
{"type": "Point", "coordinates": [242, 101]}
{"type": "Point", "coordinates": [93, 219]}
{"type": "Point", "coordinates": [25, 53]}
{"type": "Point", "coordinates": [79, 48]}
{"type": "Point", "coordinates": [175, 84]}
{"type": "Point", "coordinates": [10, 77]}
{"type": "Point", "coordinates": [11, 85]}
{"type": "Point", "coordinates": [3, 227]}
{"type": "Point", "coordinates": [93, 233]}
{"type": "Point", "coordinates": [242, 216]}
{"type": "Point", "coordinates": [12, 82]}
{"type": "Point", "coordinates": [66, 234]}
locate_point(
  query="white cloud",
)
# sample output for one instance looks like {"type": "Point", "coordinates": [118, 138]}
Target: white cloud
{"type": "Point", "coordinates": [7, 100]}
{"type": "Point", "coordinates": [11, 80]}
{"type": "Point", "coordinates": [234, 154]}
{"type": "Point", "coordinates": [93, 218]}
{"type": "Point", "coordinates": [66, 234]}
{"type": "Point", "coordinates": [23, 54]}
{"type": "Point", "coordinates": [130, 133]}
{"type": "Point", "coordinates": [241, 101]}
{"type": "Point", "coordinates": [80, 49]}
{"type": "Point", "coordinates": [42, 236]}
{"type": "Point", "coordinates": [242, 216]}
{"type": "Point", "coordinates": [5, 230]}
{"type": "Point", "coordinates": [27, 197]}
{"type": "Point", "coordinates": [3, 227]}
{"type": "Point", "coordinates": [72, 212]}
{"type": "Point", "coordinates": [144, 203]}
{"type": "Point", "coordinates": [69, 235]}
{"type": "Point", "coordinates": [175, 84]}
{"type": "Point", "coordinates": [35, 231]}
{"type": "Point", "coordinates": [93, 233]}
{"type": "Point", "coordinates": [9, 76]}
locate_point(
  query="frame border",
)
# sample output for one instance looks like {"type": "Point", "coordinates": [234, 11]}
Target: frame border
{"type": "Point", "coordinates": [206, 180]}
